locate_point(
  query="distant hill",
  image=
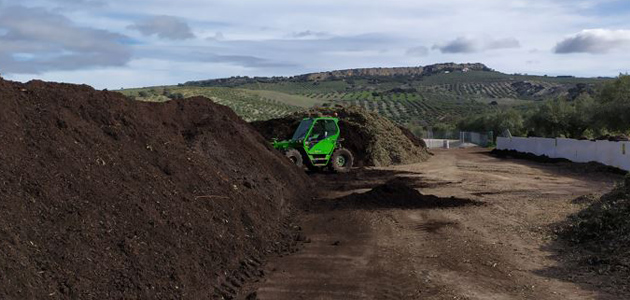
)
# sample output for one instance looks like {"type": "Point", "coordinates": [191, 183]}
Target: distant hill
{"type": "Point", "coordinates": [348, 73]}
{"type": "Point", "coordinates": [423, 95]}
{"type": "Point", "coordinates": [392, 72]}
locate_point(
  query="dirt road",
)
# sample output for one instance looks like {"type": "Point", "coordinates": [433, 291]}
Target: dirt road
{"type": "Point", "coordinates": [500, 250]}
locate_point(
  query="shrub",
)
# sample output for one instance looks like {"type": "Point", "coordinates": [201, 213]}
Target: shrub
{"type": "Point", "coordinates": [176, 96]}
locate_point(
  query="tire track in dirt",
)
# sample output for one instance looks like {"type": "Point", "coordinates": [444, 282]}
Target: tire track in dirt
{"type": "Point", "coordinates": [334, 265]}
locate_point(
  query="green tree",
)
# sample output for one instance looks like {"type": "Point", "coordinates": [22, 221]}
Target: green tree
{"type": "Point", "coordinates": [561, 118]}
{"type": "Point", "coordinates": [444, 130]}
{"type": "Point", "coordinates": [176, 96]}
{"type": "Point", "coordinates": [497, 122]}
{"type": "Point", "coordinates": [550, 119]}
{"type": "Point", "coordinates": [581, 118]}
{"type": "Point", "coordinates": [614, 105]}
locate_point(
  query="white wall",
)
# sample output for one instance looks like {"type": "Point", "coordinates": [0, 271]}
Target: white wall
{"type": "Point", "coordinates": [615, 154]}
{"type": "Point", "coordinates": [439, 143]}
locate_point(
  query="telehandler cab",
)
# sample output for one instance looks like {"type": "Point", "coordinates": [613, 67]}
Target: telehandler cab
{"type": "Point", "coordinates": [316, 143]}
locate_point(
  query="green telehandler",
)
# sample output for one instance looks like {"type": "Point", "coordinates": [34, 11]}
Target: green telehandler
{"type": "Point", "coordinates": [316, 144]}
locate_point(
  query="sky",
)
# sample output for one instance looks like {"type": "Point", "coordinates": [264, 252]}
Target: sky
{"type": "Point", "coordinates": [121, 44]}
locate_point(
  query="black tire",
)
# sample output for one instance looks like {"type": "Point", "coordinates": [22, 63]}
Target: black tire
{"type": "Point", "coordinates": [341, 160]}
{"type": "Point", "coordinates": [294, 156]}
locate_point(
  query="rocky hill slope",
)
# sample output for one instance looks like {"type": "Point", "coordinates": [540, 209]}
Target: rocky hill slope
{"type": "Point", "coordinates": [399, 71]}
{"type": "Point", "coordinates": [416, 71]}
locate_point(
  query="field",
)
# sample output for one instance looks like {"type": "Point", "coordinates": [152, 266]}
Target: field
{"type": "Point", "coordinates": [442, 97]}
{"type": "Point", "coordinates": [404, 107]}
{"type": "Point", "coordinates": [250, 105]}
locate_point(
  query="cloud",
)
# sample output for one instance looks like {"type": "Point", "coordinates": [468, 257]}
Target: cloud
{"type": "Point", "coordinates": [220, 54]}
{"type": "Point", "coordinates": [309, 34]}
{"type": "Point", "coordinates": [283, 56]}
{"type": "Point", "coordinates": [458, 45]}
{"type": "Point", "coordinates": [418, 51]}
{"type": "Point", "coordinates": [505, 43]}
{"type": "Point", "coordinates": [594, 41]}
{"type": "Point", "coordinates": [82, 3]}
{"type": "Point", "coordinates": [239, 60]}
{"type": "Point", "coordinates": [166, 27]}
{"type": "Point", "coordinates": [470, 45]}
{"type": "Point", "coordinates": [218, 36]}
{"type": "Point", "coordinates": [293, 30]}
{"type": "Point", "coordinates": [298, 51]}
{"type": "Point", "coordinates": [36, 40]}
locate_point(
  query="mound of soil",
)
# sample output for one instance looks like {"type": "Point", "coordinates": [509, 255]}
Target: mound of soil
{"type": "Point", "coordinates": [603, 228]}
{"type": "Point", "coordinates": [569, 165]}
{"type": "Point", "coordinates": [614, 138]}
{"type": "Point", "coordinates": [527, 156]}
{"type": "Point", "coordinates": [585, 199]}
{"type": "Point", "coordinates": [373, 140]}
{"type": "Point", "coordinates": [400, 193]}
{"type": "Point", "coordinates": [414, 139]}
{"type": "Point", "coordinates": [102, 197]}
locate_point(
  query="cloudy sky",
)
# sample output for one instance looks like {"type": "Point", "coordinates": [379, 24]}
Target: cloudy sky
{"type": "Point", "coordinates": [115, 43]}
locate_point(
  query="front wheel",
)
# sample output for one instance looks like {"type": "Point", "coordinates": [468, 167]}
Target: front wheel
{"type": "Point", "coordinates": [342, 160]}
{"type": "Point", "coordinates": [294, 156]}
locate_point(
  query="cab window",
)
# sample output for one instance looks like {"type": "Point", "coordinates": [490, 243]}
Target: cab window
{"type": "Point", "coordinates": [331, 127]}
{"type": "Point", "coordinates": [319, 131]}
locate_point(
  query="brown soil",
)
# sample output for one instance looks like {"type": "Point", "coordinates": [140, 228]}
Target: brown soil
{"type": "Point", "coordinates": [563, 162]}
{"type": "Point", "coordinates": [373, 140]}
{"type": "Point", "coordinates": [600, 233]}
{"type": "Point", "coordinates": [504, 249]}
{"type": "Point", "coordinates": [399, 192]}
{"type": "Point", "coordinates": [102, 197]}
{"type": "Point", "coordinates": [614, 138]}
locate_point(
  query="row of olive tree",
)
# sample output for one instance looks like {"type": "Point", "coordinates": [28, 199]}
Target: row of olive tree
{"type": "Point", "coordinates": [608, 112]}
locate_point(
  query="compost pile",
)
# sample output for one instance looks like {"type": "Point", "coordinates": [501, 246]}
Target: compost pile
{"type": "Point", "coordinates": [603, 228]}
{"type": "Point", "coordinates": [589, 167]}
{"type": "Point", "coordinates": [102, 197]}
{"type": "Point", "coordinates": [373, 140]}
{"type": "Point", "coordinates": [400, 193]}
{"type": "Point", "coordinates": [614, 138]}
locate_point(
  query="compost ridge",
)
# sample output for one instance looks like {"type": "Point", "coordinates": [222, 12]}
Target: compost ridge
{"type": "Point", "coordinates": [373, 140]}
{"type": "Point", "coordinates": [104, 197]}
{"type": "Point", "coordinates": [601, 231]}
{"type": "Point", "coordinates": [400, 192]}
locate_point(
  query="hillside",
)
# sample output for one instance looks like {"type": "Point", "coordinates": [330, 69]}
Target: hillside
{"type": "Point", "coordinates": [426, 95]}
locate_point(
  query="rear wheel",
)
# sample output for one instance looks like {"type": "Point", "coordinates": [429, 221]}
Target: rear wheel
{"type": "Point", "coordinates": [294, 156]}
{"type": "Point", "coordinates": [342, 160]}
